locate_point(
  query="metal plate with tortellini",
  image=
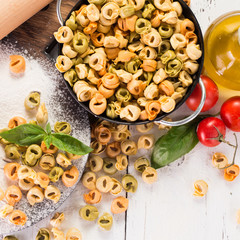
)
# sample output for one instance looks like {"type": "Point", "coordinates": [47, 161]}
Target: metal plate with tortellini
{"type": "Point", "coordinates": [176, 67]}
{"type": "Point", "coordinates": [60, 108]}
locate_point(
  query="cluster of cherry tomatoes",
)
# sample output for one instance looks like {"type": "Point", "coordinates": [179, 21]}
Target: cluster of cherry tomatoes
{"type": "Point", "coordinates": [211, 131]}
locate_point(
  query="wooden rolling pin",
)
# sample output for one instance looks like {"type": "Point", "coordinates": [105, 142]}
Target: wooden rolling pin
{"type": "Point", "coordinates": [15, 12]}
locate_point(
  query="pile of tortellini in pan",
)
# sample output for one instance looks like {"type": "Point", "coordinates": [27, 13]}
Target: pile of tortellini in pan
{"type": "Point", "coordinates": [131, 59]}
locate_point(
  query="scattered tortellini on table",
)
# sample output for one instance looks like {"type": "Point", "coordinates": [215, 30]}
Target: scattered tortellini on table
{"type": "Point", "coordinates": [131, 60]}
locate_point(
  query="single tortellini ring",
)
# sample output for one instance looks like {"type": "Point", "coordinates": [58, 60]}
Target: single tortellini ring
{"type": "Point", "coordinates": [147, 12]}
{"type": "Point", "coordinates": [93, 197]}
{"type": "Point", "coordinates": [231, 172]}
{"type": "Point", "coordinates": [82, 18]}
{"type": "Point", "coordinates": [10, 171]}
{"type": "Point", "coordinates": [32, 101]}
{"type": "Point", "coordinates": [73, 233]}
{"type": "Point", "coordinates": [52, 193]}
{"type": "Point", "coordinates": [68, 50]}
{"type": "Point", "coordinates": [92, 12]}
{"type": "Point", "coordinates": [164, 46]}
{"type": "Point", "coordinates": [178, 8]}
{"type": "Point", "coordinates": [16, 121]}
{"type": "Point", "coordinates": [167, 104]}
{"type": "Point", "coordinates": [111, 110]}
{"type": "Point", "coordinates": [13, 195]}
{"type": "Point", "coordinates": [42, 115]}
{"type": "Point", "coordinates": [119, 205]}
{"type": "Point", "coordinates": [111, 42]}
{"type": "Point", "coordinates": [71, 22]}
{"type": "Point", "coordinates": [201, 188]}
{"type": "Point", "coordinates": [5, 210]}
{"type": "Point", "coordinates": [164, 5]}
{"type": "Point", "coordinates": [102, 134]}
{"type": "Point", "coordinates": [98, 104]}
{"type": "Point", "coordinates": [91, 28]}
{"type": "Point", "coordinates": [81, 70]}
{"type": "Point", "coordinates": [130, 23]}
{"type": "Point", "coordinates": [110, 10]}
{"type": "Point", "coordinates": [106, 22]}
{"type": "Point", "coordinates": [89, 213]}
{"type": "Point", "coordinates": [26, 172]}
{"type": "Point", "coordinates": [166, 30]}
{"type": "Point", "coordinates": [173, 67]}
{"type": "Point", "coordinates": [191, 66]}
{"type": "Point", "coordinates": [116, 187]}
{"type": "Point", "coordinates": [47, 162]}
{"type": "Point", "coordinates": [26, 184]}
{"type": "Point", "coordinates": [33, 154]}
{"type": "Point", "coordinates": [143, 128]}
{"type": "Point", "coordinates": [159, 76]}
{"type": "Point", "coordinates": [148, 53]}
{"type": "Point", "coordinates": [153, 108]}
{"type": "Point", "coordinates": [17, 64]}
{"type": "Point", "coordinates": [18, 217]}
{"type": "Point", "coordinates": [181, 54]}
{"type": "Point", "coordinates": [149, 175]}
{"type": "Point", "coordinates": [57, 219]}
{"type": "Point", "coordinates": [178, 40]}
{"type": "Point", "coordinates": [104, 184]}
{"type": "Point", "coordinates": [149, 65]}
{"type": "Point", "coordinates": [58, 234]}
{"type": "Point", "coordinates": [43, 234]}
{"type": "Point", "coordinates": [80, 43]}
{"type": "Point", "coordinates": [191, 37]}
{"type": "Point", "coordinates": [193, 51]}
{"type": "Point", "coordinates": [123, 95]}
{"type": "Point", "coordinates": [129, 183]}
{"type": "Point", "coordinates": [141, 164]}
{"type": "Point", "coordinates": [62, 127]}
{"type": "Point", "coordinates": [152, 38]}
{"type": "Point", "coordinates": [42, 179]}
{"type": "Point", "coordinates": [63, 63]}
{"type": "Point", "coordinates": [166, 88]}
{"type": "Point", "coordinates": [103, 29]}
{"type": "Point", "coordinates": [109, 166]}
{"type": "Point", "coordinates": [130, 113]}
{"type": "Point", "coordinates": [219, 160]}
{"type": "Point", "coordinates": [97, 61]}
{"type": "Point", "coordinates": [146, 141]}
{"type": "Point", "coordinates": [132, 67]}
{"type": "Point", "coordinates": [70, 177]}
{"type": "Point", "coordinates": [95, 163]}
{"type": "Point", "coordinates": [83, 91]}
{"type": "Point", "coordinates": [185, 79]}
{"type": "Point", "coordinates": [63, 160]}
{"type": "Point", "coordinates": [127, 11]}
{"type": "Point", "coordinates": [142, 26]}
{"type": "Point", "coordinates": [55, 174]}
{"type": "Point", "coordinates": [113, 149]}
{"type": "Point", "coordinates": [187, 26]}
{"type": "Point", "coordinates": [110, 81]}
{"type": "Point", "coordinates": [112, 53]}
{"type": "Point", "coordinates": [151, 91]}
{"type": "Point", "coordinates": [97, 147]}
{"type": "Point", "coordinates": [89, 180]}
{"type": "Point", "coordinates": [170, 17]}
{"type": "Point", "coordinates": [93, 77]}
{"type": "Point", "coordinates": [120, 136]}
{"type": "Point", "coordinates": [105, 221]}
{"type": "Point", "coordinates": [136, 46]}
{"type": "Point", "coordinates": [129, 147]}
{"type": "Point", "coordinates": [11, 151]}
{"type": "Point", "coordinates": [167, 56]}
{"type": "Point", "coordinates": [35, 195]}
{"type": "Point", "coordinates": [64, 34]}
{"type": "Point", "coordinates": [122, 162]}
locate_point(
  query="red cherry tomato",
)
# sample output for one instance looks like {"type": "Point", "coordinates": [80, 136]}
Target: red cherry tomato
{"type": "Point", "coordinates": [208, 129]}
{"type": "Point", "coordinates": [230, 113]}
{"type": "Point", "coordinates": [211, 95]}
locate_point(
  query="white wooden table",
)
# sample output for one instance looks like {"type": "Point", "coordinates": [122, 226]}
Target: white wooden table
{"type": "Point", "coordinates": [167, 210]}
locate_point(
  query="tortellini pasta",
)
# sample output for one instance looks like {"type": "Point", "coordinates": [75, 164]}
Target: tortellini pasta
{"type": "Point", "coordinates": [116, 53]}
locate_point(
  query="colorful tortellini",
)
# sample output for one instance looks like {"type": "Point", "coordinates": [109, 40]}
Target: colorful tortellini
{"type": "Point", "coordinates": [116, 52]}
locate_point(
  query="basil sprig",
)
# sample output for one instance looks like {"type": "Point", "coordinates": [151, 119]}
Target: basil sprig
{"type": "Point", "coordinates": [27, 134]}
{"type": "Point", "coordinates": [177, 142]}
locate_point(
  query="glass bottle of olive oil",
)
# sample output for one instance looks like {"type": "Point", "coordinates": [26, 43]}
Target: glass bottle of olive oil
{"type": "Point", "coordinates": [222, 51]}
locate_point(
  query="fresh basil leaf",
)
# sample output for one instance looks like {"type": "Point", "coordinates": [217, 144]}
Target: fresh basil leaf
{"type": "Point", "coordinates": [24, 135]}
{"type": "Point", "coordinates": [69, 144]}
{"type": "Point", "coordinates": [176, 143]}
{"type": "Point", "coordinates": [47, 140]}
{"type": "Point", "coordinates": [48, 129]}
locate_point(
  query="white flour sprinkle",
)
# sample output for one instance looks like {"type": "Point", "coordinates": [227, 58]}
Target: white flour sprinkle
{"type": "Point", "coordinates": [41, 76]}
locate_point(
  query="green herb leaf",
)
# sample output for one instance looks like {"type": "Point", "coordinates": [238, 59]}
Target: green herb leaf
{"type": "Point", "coordinates": [24, 135]}
{"type": "Point", "coordinates": [176, 143]}
{"type": "Point", "coordinates": [47, 140]}
{"type": "Point", "coordinates": [48, 129]}
{"type": "Point", "coordinates": [69, 144]}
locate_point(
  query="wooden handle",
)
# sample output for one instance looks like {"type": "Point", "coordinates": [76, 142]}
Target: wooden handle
{"type": "Point", "coordinates": [15, 12]}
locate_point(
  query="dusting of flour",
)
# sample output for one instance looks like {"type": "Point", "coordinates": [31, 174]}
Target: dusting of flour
{"type": "Point", "coordinates": [41, 76]}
